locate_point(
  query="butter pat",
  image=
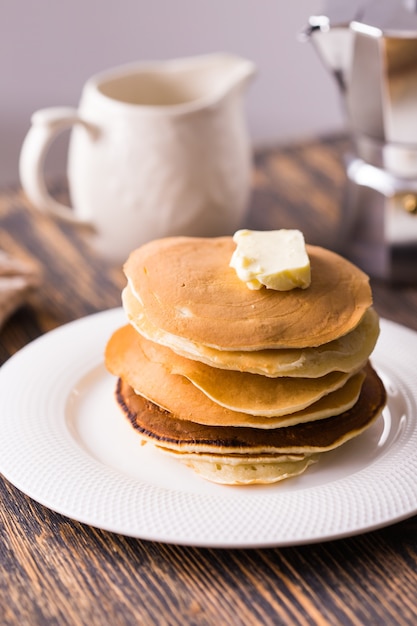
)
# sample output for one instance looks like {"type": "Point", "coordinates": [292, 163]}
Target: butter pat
{"type": "Point", "coordinates": [276, 259]}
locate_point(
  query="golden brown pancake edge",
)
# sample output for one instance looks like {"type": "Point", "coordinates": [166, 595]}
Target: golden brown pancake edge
{"type": "Point", "coordinates": [342, 354]}
{"type": "Point", "coordinates": [153, 424]}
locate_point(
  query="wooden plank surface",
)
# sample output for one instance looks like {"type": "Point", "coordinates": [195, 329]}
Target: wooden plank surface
{"type": "Point", "coordinates": [56, 571]}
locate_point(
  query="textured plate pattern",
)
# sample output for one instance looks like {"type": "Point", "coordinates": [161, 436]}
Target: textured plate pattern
{"type": "Point", "coordinates": [65, 444]}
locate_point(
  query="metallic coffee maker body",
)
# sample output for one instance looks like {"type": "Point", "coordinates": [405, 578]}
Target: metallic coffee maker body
{"type": "Point", "coordinates": [371, 49]}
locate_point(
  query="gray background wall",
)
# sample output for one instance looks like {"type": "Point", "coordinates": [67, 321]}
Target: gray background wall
{"type": "Point", "coordinates": [48, 48]}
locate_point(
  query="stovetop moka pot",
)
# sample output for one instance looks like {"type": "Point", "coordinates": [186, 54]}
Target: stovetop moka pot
{"type": "Point", "coordinates": [370, 46]}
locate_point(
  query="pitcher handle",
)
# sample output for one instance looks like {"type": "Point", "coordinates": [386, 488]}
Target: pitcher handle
{"type": "Point", "coordinates": [46, 124]}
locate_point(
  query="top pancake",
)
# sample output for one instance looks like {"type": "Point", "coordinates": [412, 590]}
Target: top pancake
{"type": "Point", "coordinates": [189, 290]}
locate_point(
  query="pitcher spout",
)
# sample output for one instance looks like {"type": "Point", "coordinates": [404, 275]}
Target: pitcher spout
{"type": "Point", "coordinates": [242, 74]}
{"type": "Point", "coordinates": [229, 74]}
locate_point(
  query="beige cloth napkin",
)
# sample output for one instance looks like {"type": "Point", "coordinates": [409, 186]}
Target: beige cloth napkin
{"type": "Point", "coordinates": [17, 280]}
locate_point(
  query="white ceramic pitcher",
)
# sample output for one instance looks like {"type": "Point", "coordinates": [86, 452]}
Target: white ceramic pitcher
{"type": "Point", "coordinates": [156, 149]}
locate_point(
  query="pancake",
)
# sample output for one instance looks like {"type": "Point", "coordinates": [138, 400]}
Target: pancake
{"type": "Point", "coordinates": [135, 359]}
{"type": "Point", "coordinates": [187, 287]}
{"type": "Point", "coordinates": [345, 354]}
{"type": "Point", "coordinates": [245, 469]}
{"type": "Point", "coordinates": [153, 424]}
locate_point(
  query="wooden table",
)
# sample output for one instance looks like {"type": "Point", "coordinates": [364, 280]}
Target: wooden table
{"type": "Point", "coordinates": [57, 571]}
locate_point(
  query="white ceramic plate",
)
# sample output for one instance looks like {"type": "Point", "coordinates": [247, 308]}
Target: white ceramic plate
{"type": "Point", "coordinates": [65, 443]}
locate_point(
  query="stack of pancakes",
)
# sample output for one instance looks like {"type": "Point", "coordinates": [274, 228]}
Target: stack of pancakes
{"type": "Point", "coordinates": [243, 386]}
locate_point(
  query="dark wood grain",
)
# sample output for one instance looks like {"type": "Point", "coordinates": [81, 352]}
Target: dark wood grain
{"type": "Point", "coordinates": [56, 571]}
